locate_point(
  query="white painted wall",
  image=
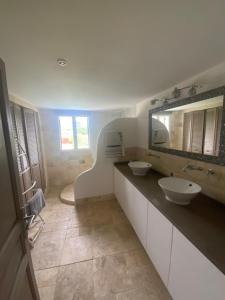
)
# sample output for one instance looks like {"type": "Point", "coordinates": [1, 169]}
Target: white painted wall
{"type": "Point", "coordinates": [99, 180]}
{"type": "Point", "coordinates": [99, 119]}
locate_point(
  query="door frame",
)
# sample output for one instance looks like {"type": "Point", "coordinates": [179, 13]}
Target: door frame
{"type": "Point", "coordinates": [14, 174]}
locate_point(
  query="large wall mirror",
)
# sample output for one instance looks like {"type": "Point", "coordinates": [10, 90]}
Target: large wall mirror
{"type": "Point", "coordinates": [191, 127]}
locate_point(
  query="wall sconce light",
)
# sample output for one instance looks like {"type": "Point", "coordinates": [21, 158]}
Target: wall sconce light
{"type": "Point", "coordinates": [177, 93]}
{"type": "Point", "coordinates": [154, 101]}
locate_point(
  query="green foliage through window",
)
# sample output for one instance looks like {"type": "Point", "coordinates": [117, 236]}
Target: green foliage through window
{"type": "Point", "coordinates": [82, 132]}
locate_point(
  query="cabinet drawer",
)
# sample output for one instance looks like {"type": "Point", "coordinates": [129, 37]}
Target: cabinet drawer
{"type": "Point", "coordinates": [192, 275]}
{"type": "Point", "coordinates": [159, 240]}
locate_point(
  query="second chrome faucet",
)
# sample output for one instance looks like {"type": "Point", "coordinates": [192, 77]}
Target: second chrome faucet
{"type": "Point", "coordinates": [192, 167]}
{"type": "Point", "coordinates": [197, 168]}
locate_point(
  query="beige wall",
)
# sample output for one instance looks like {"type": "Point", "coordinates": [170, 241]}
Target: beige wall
{"type": "Point", "coordinates": [211, 185]}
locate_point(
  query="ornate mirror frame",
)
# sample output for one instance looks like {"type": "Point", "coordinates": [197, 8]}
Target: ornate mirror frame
{"type": "Point", "coordinates": [220, 159]}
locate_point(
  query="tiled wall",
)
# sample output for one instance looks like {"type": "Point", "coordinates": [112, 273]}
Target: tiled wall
{"type": "Point", "coordinates": [212, 185]}
{"type": "Point", "coordinates": [64, 170]}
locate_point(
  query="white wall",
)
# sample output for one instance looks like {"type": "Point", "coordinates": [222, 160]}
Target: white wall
{"type": "Point", "coordinates": [99, 119]}
{"type": "Point", "coordinates": [98, 181]}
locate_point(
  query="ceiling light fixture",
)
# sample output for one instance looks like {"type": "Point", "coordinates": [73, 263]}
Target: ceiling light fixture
{"type": "Point", "coordinates": [62, 62]}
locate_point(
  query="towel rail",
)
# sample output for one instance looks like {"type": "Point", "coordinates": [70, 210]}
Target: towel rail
{"type": "Point", "coordinates": [24, 171]}
{"type": "Point", "coordinates": [22, 154]}
{"type": "Point", "coordinates": [30, 188]}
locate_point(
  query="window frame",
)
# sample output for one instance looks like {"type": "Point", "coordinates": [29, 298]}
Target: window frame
{"type": "Point", "coordinates": [74, 127]}
{"type": "Point", "coordinates": [88, 131]}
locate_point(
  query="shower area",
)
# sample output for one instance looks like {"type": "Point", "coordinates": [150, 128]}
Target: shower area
{"type": "Point", "coordinates": [70, 139]}
{"type": "Point", "coordinates": [67, 149]}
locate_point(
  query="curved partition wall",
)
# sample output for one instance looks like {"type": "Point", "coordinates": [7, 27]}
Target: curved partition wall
{"type": "Point", "coordinates": [98, 181]}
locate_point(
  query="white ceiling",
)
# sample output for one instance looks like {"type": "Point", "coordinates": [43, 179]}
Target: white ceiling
{"type": "Point", "coordinates": [119, 51]}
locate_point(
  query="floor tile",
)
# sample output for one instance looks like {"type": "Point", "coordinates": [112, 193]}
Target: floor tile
{"type": "Point", "coordinates": [54, 226]}
{"type": "Point", "coordinates": [77, 249]}
{"type": "Point", "coordinates": [73, 232]}
{"type": "Point", "coordinates": [142, 294]}
{"type": "Point", "coordinates": [47, 250]}
{"type": "Point", "coordinates": [110, 239]}
{"type": "Point", "coordinates": [75, 282]}
{"type": "Point", "coordinates": [57, 212]}
{"type": "Point", "coordinates": [46, 277]}
{"type": "Point", "coordinates": [47, 293]}
{"type": "Point", "coordinates": [80, 216]}
{"type": "Point", "coordinates": [124, 272]}
{"type": "Point", "coordinates": [100, 217]}
{"type": "Point", "coordinates": [119, 217]}
{"type": "Point", "coordinates": [91, 252]}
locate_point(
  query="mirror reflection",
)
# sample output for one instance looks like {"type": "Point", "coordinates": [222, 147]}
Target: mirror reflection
{"type": "Point", "coordinates": [193, 127]}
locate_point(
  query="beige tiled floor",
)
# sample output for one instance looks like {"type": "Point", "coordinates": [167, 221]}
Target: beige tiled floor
{"type": "Point", "coordinates": [92, 253]}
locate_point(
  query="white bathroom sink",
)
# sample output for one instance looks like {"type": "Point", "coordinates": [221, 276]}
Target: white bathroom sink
{"type": "Point", "coordinates": [178, 190]}
{"type": "Point", "coordinates": [139, 168]}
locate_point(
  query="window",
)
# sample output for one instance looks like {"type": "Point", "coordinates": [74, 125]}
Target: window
{"type": "Point", "coordinates": [66, 133]}
{"type": "Point", "coordinates": [74, 132]}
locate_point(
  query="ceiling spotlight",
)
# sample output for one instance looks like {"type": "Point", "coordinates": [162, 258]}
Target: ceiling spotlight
{"type": "Point", "coordinates": [62, 62]}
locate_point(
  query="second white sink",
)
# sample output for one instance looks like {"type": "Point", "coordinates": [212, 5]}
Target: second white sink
{"type": "Point", "coordinates": [139, 168]}
{"type": "Point", "coordinates": [178, 190]}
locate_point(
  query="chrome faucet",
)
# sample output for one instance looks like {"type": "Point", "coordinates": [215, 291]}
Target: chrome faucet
{"type": "Point", "coordinates": [192, 168]}
{"type": "Point", "coordinates": [153, 155]}
{"type": "Point", "coordinates": [210, 172]}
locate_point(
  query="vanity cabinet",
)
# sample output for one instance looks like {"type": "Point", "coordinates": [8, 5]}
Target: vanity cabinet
{"type": "Point", "coordinates": [133, 203]}
{"type": "Point", "coordinates": [186, 272]}
{"type": "Point", "coordinates": [192, 275]}
{"type": "Point", "coordinates": [124, 193]}
{"type": "Point", "coordinates": [140, 216]}
{"type": "Point", "coordinates": [128, 199]}
{"type": "Point", "coordinates": [119, 187]}
{"type": "Point", "coordinates": [159, 241]}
